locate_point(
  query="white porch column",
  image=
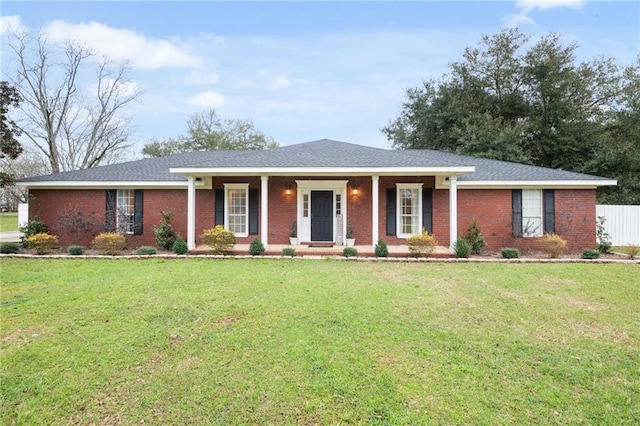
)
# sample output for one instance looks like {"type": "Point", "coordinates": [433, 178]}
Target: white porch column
{"type": "Point", "coordinates": [374, 205]}
{"type": "Point", "coordinates": [453, 210]}
{"type": "Point", "coordinates": [191, 212]}
{"type": "Point", "coordinates": [264, 205]}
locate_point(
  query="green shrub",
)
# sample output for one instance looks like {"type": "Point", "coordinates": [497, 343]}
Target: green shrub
{"type": "Point", "coordinates": [256, 248]}
{"type": "Point", "coordinates": [289, 251]}
{"type": "Point", "coordinates": [474, 238]}
{"type": "Point", "coordinates": [590, 254]}
{"type": "Point", "coordinates": [109, 243]}
{"type": "Point", "coordinates": [219, 239]}
{"type": "Point", "coordinates": [34, 226]}
{"type": "Point", "coordinates": [350, 252]}
{"type": "Point", "coordinates": [422, 244]}
{"type": "Point", "coordinates": [381, 249]}
{"type": "Point", "coordinates": [553, 244]}
{"type": "Point", "coordinates": [42, 242]}
{"type": "Point", "coordinates": [75, 250]}
{"type": "Point", "coordinates": [9, 248]}
{"type": "Point", "coordinates": [603, 239]}
{"type": "Point", "coordinates": [510, 253]}
{"type": "Point", "coordinates": [165, 234]}
{"type": "Point", "coordinates": [462, 248]}
{"type": "Point", "coordinates": [146, 251]}
{"type": "Point", "coordinates": [180, 246]}
{"type": "Point", "coordinates": [631, 251]}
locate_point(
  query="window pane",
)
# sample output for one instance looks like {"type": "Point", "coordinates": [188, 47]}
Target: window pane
{"type": "Point", "coordinates": [531, 212]}
{"type": "Point", "coordinates": [124, 211]}
{"type": "Point", "coordinates": [237, 211]}
{"type": "Point", "coordinates": [409, 219]}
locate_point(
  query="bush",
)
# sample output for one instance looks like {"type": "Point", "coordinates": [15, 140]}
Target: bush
{"type": "Point", "coordinates": [288, 251]}
{"type": "Point", "coordinates": [42, 242]}
{"type": "Point", "coordinates": [350, 252]}
{"type": "Point", "coordinates": [590, 254]}
{"type": "Point", "coordinates": [462, 248]}
{"type": "Point", "coordinates": [165, 234]}
{"type": "Point", "coordinates": [603, 238]}
{"type": "Point", "coordinates": [33, 227]}
{"type": "Point", "coordinates": [9, 248]}
{"type": "Point", "coordinates": [219, 239]}
{"type": "Point", "coordinates": [180, 246]}
{"type": "Point", "coordinates": [422, 244]}
{"type": "Point", "coordinates": [381, 249]}
{"type": "Point", "coordinates": [509, 253]}
{"type": "Point", "coordinates": [553, 244]}
{"type": "Point", "coordinates": [474, 238]}
{"type": "Point", "coordinates": [256, 248]}
{"type": "Point", "coordinates": [146, 251]}
{"type": "Point", "coordinates": [75, 250]}
{"type": "Point", "coordinates": [631, 251]}
{"type": "Point", "coordinates": [109, 243]}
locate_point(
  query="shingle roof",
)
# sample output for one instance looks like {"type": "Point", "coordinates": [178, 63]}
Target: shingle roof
{"type": "Point", "coordinates": [321, 153]}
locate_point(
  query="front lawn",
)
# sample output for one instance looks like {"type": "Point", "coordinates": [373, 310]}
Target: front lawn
{"type": "Point", "coordinates": [8, 221]}
{"type": "Point", "coordinates": [256, 341]}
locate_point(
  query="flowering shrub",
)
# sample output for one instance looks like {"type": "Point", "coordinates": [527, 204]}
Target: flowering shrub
{"type": "Point", "coordinates": [42, 242]}
{"type": "Point", "coordinates": [553, 244]}
{"type": "Point", "coordinates": [219, 239]}
{"type": "Point", "coordinates": [422, 244]}
{"type": "Point", "coordinates": [109, 243]}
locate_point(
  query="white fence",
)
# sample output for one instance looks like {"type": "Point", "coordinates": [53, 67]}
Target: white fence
{"type": "Point", "coordinates": [622, 223]}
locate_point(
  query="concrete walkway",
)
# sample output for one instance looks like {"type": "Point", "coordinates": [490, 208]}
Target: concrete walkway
{"type": "Point", "coordinates": [10, 237]}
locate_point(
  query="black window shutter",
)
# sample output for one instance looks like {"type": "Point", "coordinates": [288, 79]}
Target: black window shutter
{"type": "Point", "coordinates": [549, 211]}
{"type": "Point", "coordinates": [138, 196]}
{"type": "Point", "coordinates": [254, 199]}
{"type": "Point", "coordinates": [110, 210]}
{"type": "Point", "coordinates": [516, 207]}
{"type": "Point", "coordinates": [427, 210]}
{"type": "Point", "coordinates": [391, 211]}
{"type": "Point", "coordinates": [219, 207]}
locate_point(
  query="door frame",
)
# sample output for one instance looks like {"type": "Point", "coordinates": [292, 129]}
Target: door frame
{"type": "Point", "coordinates": [304, 187]}
{"type": "Point", "coordinates": [329, 197]}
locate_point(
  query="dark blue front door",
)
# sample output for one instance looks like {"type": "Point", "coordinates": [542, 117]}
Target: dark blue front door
{"type": "Point", "coordinates": [321, 215]}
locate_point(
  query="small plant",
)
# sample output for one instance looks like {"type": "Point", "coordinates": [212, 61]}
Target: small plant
{"type": "Point", "coordinates": [474, 238]}
{"type": "Point", "coordinates": [350, 252]}
{"type": "Point", "coordinates": [288, 251]}
{"type": "Point", "coordinates": [33, 227]}
{"type": "Point", "coordinates": [553, 244]}
{"type": "Point", "coordinates": [590, 254]}
{"type": "Point", "coordinates": [256, 248]}
{"type": "Point", "coordinates": [631, 251]}
{"type": "Point", "coordinates": [109, 243]}
{"type": "Point", "coordinates": [9, 248]}
{"type": "Point", "coordinates": [180, 246]}
{"type": "Point", "coordinates": [349, 231]}
{"type": "Point", "coordinates": [219, 239]}
{"type": "Point", "coordinates": [603, 239]}
{"type": "Point", "coordinates": [42, 243]}
{"type": "Point", "coordinates": [422, 244]}
{"type": "Point", "coordinates": [462, 248]}
{"type": "Point", "coordinates": [146, 251]}
{"type": "Point", "coordinates": [293, 233]}
{"type": "Point", "coordinates": [509, 253]}
{"type": "Point", "coordinates": [381, 249]}
{"type": "Point", "coordinates": [165, 234]}
{"type": "Point", "coordinates": [75, 250]}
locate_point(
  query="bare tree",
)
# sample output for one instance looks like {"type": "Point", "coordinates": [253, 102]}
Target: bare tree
{"type": "Point", "coordinates": [73, 129]}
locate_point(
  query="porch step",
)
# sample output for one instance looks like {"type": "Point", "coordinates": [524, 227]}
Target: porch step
{"type": "Point", "coordinates": [321, 244]}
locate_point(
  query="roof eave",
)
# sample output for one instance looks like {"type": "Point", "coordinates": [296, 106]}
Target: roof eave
{"type": "Point", "coordinates": [566, 184]}
{"type": "Point", "coordinates": [322, 171]}
{"type": "Point", "coordinates": [102, 184]}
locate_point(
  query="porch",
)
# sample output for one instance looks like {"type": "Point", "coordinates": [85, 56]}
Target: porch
{"type": "Point", "coordinates": [334, 250]}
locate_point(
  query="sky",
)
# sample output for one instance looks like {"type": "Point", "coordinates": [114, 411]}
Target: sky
{"type": "Point", "coordinates": [303, 70]}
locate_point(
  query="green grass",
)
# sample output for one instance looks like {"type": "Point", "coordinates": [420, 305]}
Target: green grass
{"type": "Point", "coordinates": [8, 222]}
{"type": "Point", "coordinates": [202, 341]}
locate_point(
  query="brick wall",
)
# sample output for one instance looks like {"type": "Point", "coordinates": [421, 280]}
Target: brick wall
{"type": "Point", "coordinates": [575, 212]}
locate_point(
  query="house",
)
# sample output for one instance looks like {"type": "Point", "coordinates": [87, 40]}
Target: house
{"type": "Point", "coordinates": [323, 186]}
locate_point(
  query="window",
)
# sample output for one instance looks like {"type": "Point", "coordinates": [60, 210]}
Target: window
{"type": "Point", "coordinates": [237, 208]}
{"type": "Point", "coordinates": [125, 208]}
{"type": "Point", "coordinates": [409, 209]}
{"type": "Point", "coordinates": [531, 213]}
{"type": "Point", "coordinates": [305, 205]}
{"type": "Point", "coordinates": [338, 204]}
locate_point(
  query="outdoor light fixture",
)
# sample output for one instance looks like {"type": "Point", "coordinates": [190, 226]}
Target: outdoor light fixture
{"type": "Point", "coordinates": [355, 190]}
{"type": "Point", "coordinates": [287, 190]}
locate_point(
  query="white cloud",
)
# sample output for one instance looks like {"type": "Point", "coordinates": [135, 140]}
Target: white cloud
{"type": "Point", "coordinates": [548, 4]}
{"type": "Point", "coordinates": [122, 45]}
{"type": "Point", "coordinates": [517, 20]}
{"type": "Point", "coordinates": [10, 24]}
{"type": "Point", "coordinates": [208, 99]}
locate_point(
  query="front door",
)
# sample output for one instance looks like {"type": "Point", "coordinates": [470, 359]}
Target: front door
{"type": "Point", "coordinates": [321, 215]}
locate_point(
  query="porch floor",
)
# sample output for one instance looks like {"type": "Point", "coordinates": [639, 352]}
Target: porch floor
{"type": "Point", "coordinates": [305, 250]}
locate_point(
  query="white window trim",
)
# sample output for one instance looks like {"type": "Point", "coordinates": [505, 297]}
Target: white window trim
{"type": "Point", "coordinates": [400, 186]}
{"type": "Point", "coordinates": [539, 232]}
{"type": "Point", "coordinates": [227, 203]}
{"type": "Point", "coordinates": [128, 227]}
